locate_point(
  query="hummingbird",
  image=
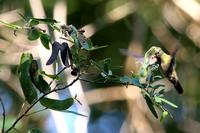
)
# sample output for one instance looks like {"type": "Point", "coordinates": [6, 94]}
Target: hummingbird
{"type": "Point", "coordinates": [167, 64]}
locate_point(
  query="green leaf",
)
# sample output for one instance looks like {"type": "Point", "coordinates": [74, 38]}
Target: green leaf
{"type": "Point", "coordinates": [157, 77]}
{"type": "Point", "coordinates": [12, 26]}
{"type": "Point", "coordinates": [72, 112]}
{"type": "Point", "coordinates": [157, 100]}
{"type": "Point", "coordinates": [34, 22]}
{"type": "Point", "coordinates": [76, 42]}
{"type": "Point", "coordinates": [158, 86]}
{"type": "Point", "coordinates": [45, 20]}
{"type": "Point", "coordinates": [44, 38]}
{"type": "Point", "coordinates": [42, 85]}
{"type": "Point", "coordinates": [97, 47]}
{"type": "Point", "coordinates": [37, 78]}
{"type": "Point", "coordinates": [107, 61]}
{"type": "Point", "coordinates": [21, 15]}
{"type": "Point", "coordinates": [97, 65]}
{"type": "Point", "coordinates": [116, 68]}
{"type": "Point", "coordinates": [136, 82]}
{"type": "Point", "coordinates": [167, 102]}
{"type": "Point", "coordinates": [25, 79]}
{"type": "Point", "coordinates": [104, 75]}
{"type": "Point", "coordinates": [110, 73]}
{"type": "Point", "coordinates": [162, 91]}
{"type": "Point", "coordinates": [34, 130]}
{"type": "Point", "coordinates": [52, 76]}
{"type": "Point", "coordinates": [55, 27]}
{"type": "Point", "coordinates": [89, 46]}
{"type": "Point", "coordinates": [57, 104]}
{"type": "Point", "coordinates": [106, 67]}
{"type": "Point", "coordinates": [33, 34]}
{"type": "Point", "coordinates": [106, 64]}
{"type": "Point", "coordinates": [150, 105]}
{"type": "Point", "coordinates": [124, 79]}
{"type": "Point", "coordinates": [164, 115]}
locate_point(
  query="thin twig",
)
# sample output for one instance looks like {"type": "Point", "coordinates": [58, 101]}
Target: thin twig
{"type": "Point", "coordinates": [35, 102]}
{"type": "Point", "coordinates": [57, 75]}
{"type": "Point", "coordinates": [4, 116]}
{"type": "Point", "coordinates": [96, 82]}
{"type": "Point", "coordinates": [36, 111]}
{"type": "Point", "coordinates": [67, 39]}
{"type": "Point", "coordinates": [73, 112]}
{"type": "Point", "coordinates": [21, 108]}
{"type": "Point", "coordinates": [17, 130]}
{"type": "Point", "coordinates": [77, 100]}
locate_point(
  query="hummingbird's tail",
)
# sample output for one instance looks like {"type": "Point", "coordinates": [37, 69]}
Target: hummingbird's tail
{"type": "Point", "coordinates": [178, 87]}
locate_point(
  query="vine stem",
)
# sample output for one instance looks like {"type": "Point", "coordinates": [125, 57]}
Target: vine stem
{"type": "Point", "coordinates": [35, 102]}
{"type": "Point", "coordinates": [36, 111]}
{"type": "Point", "coordinates": [57, 75]}
{"type": "Point", "coordinates": [4, 116]}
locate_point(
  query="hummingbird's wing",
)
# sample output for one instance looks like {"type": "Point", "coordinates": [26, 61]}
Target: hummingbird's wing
{"type": "Point", "coordinates": [138, 57]}
{"type": "Point", "coordinates": [174, 80]}
{"type": "Point", "coordinates": [172, 64]}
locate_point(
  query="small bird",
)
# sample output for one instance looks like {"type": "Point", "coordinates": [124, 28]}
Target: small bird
{"type": "Point", "coordinates": [167, 63]}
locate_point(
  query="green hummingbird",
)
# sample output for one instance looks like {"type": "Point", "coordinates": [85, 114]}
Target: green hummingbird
{"type": "Point", "coordinates": [167, 64]}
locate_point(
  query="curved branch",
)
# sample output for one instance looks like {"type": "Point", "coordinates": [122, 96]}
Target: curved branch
{"type": "Point", "coordinates": [35, 102]}
{"type": "Point", "coordinates": [57, 75]}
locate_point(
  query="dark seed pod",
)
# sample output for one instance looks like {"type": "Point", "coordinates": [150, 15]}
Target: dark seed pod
{"type": "Point", "coordinates": [55, 49]}
{"type": "Point", "coordinates": [64, 54]}
{"type": "Point", "coordinates": [75, 71]}
{"type": "Point", "coordinates": [33, 71]}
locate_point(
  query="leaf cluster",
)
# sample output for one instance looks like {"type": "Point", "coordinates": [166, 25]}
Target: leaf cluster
{"type": "Point", "coordinates": [73, 51]}
{"type": "Point", "coordinates": [153, 94]}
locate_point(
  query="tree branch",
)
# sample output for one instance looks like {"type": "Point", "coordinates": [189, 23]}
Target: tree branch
{"type": "Point", "coordinates": [35, 102]}
{"type": "Point", "coordinates": [36, 111]}
{"type": "Point", "coordinates": [57, 75]}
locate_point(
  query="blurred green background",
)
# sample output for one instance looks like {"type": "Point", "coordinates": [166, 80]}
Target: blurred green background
{"type": "Point", "coordinates": [135, 25]}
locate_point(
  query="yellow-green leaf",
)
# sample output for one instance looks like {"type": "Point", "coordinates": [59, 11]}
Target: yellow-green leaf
{"type": "Point", "coordinates": [25, 80]}
{"type": "Point", "coordinates": [150, 105]}
{"type": "Point", "coordinates": [44, 38]}
{"type": "Point", "coordinates": [33, 34]}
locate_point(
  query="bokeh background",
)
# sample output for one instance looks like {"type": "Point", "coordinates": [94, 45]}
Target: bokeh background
{"type": "Point", "coordinates": [135, 25]}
